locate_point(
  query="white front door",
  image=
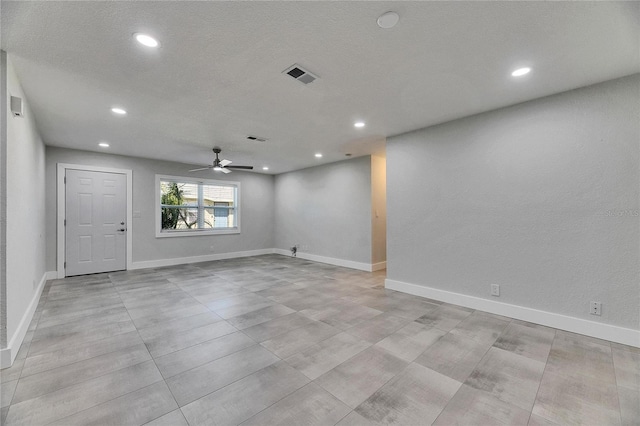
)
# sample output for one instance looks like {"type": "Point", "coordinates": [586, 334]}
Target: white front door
{"type": "Point", "coordinates": [95, 231]}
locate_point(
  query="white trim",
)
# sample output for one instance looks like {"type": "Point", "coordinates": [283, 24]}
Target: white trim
{"type": "Point", "coordinates": [626, 336]}
{"type": "Point", "coordinates": [330, 260]}
{"type": "Point", "coordinates": [62, 168]}
{"type": "Point", "coordinates": [378, 266]}
{"type": "Point", "coordinates": [8, 354]}
{"type": "Point", "coordinates": [195, 259]}
{"type": "Point", "coordinates": [196, 232]}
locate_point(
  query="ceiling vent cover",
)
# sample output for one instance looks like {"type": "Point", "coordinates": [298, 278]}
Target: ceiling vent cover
{"type": "Point", "coordinates": [256, 138]}
{"type": "Point", "coordinates": [297, 72]}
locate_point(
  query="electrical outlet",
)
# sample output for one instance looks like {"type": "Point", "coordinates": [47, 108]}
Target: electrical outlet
{"type": "Point", "coordinates": [495, 290]}
{"type": "Point", "coordinates": [596, 308]}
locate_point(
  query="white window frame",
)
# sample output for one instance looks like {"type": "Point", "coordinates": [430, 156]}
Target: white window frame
{"type": "Point", "coordinates": [194, 232]}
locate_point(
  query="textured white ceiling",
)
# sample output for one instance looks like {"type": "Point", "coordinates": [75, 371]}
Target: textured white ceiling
{"type": "Point", "coordinates": [218, 75]}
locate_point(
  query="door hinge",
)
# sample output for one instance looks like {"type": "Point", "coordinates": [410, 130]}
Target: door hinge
{"type": "Point", "coordinates": [65, 265]}
{"type": "Point", "coordinates": [65, 222]}
{"type": "Point", "coordinates": [65, 179]}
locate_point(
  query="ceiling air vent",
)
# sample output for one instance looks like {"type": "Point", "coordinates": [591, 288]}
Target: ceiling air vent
{"type": "Point", "coordinates": [256, 138]}
{"type": "Point", "coordinates": [300, 74]}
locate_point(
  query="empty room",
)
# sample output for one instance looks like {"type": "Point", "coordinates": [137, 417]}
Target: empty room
{"type": "Point", "coordinates": [319, 213]}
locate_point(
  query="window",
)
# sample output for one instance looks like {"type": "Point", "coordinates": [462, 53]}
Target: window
{"type": "Point", "coordinates": [196, 207]}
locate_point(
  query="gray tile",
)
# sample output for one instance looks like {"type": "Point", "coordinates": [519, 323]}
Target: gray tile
{"type": "Point", "coordinates": [354, 419]}
{"type": "Point", "coordinates": [135, 408]}
{"type": "Point", "coordinates": [445, 317]}
{"type": "Point", "coordinates": [63, 318]}
{"type": "Point", "coordinates": [355, 380]}
{"type": "Point", "coordinates": [624, 347]}
{"type": "Point", "coordinates": [81, 325]}
{"type": "Point", "coordinates": [310, 405]}
{"type": "Point", "coordinates": [627, 368]}
{"type": "Point", "coordinates": [275, 327]}
{"type": "Point", "coordinates": [377, 328]}
{"type": "Point", "coordinates": [511, 378]}
{"type": "Point", "coordinates": [7, 390]}
{"type": "Point", "coordinates": [179, 340]}
{"type": "Point", "coordinates": [164, 316]}
{"type": "Point", "coordinates": [299, 339]}
{"type": "Point", "coordinates": [97, 333]}
{"type": "Point", "coordinates": [47, 361]}
{"type": "Point", "coordinates": [455, 356]}
{"type": "Point", "coordinates": [576, 356]}
{"type": "Point", "coordinates": [239, 401]}
{"type": "Point", "coordinates": [411, 340]}
{"type": "Point", "coordinates": [68, 401]}
{"type": "Point", "coordinates": [194, 356]}
{"type": "Point", "coordinates": [174, 418]}
{"type": "Point", "coordinates": [178, 325]}
{"type": "Point", "coordinates": [3, 415]}
{"type": "Point", "coordinates": [481, 327]}
{"type": "Point", "coordinates": [48, 381]}
{"type": "Point", "coordinates": [322, 357]}
{"type": "Point", "coordinates": [629, 405]}
{"type": "Point", "coordinates": [473, 407]}
{"type": "Point", "coordinates": [341, 313]}
{"type": "Point", "coordinates": [237, 305]}
{"type": "Point", "coordinates": [577, 400]}
{"type": "Point", "coordinates": [260, 316]}
{"type": "Point", "coordinates": [414, 397]}
{"type": "Point", "coordinates": [200, 381]}
{"type": "Point", "coordinates": [527, 339]}
{"type": "Point", "coordinates": [535, 420]}
{"type": "Point", "coordinates": [12, 373]}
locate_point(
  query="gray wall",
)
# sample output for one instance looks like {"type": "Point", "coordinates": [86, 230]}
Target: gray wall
{"type": "Point", "coordinates": [541, 198]}
{"type": "Point", "coordinates": [25, 210]}
{"type": "Point", "coordinates": [326, 209]}
{"type": "Point", "coordinates": [257, 207]}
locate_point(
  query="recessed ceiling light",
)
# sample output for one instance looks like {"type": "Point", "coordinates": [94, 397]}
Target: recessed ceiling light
{"type": "Point", "coordinates": [318, 155]}
{"type": "Point", "coordinates": [265, 168]}
{"type": "Point", "coordinates": [146, 40]}
{"type": "Point", "coordinates": [103, 145]}
{"type": "Point", "coordinates": [521, 71]}
{"type": "Point", "coordinates": [388, 20]}
{"type": "Point", "coordinates": [118, 111]}
{"type": "Point", "coordinates": [358, 124]}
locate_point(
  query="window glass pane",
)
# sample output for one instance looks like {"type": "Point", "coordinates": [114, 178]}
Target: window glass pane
{"type": "Point", "coordinates": [192, 206]}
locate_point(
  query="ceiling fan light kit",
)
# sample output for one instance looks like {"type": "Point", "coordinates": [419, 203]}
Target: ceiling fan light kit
{"type": "Point", "coordinates": [223, 166]}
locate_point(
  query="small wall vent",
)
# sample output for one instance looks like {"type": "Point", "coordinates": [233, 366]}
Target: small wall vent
{"type": "Point", "coordinates": [256, 138]}
{"type": "Point", "coordinates": [297, 72]}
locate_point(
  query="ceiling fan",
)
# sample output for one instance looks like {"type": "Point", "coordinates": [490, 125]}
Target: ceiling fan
{"type": "Point", "coordinates": [222, 165]}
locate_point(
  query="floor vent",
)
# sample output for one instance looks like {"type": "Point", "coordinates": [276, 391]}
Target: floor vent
{"type": "Point", "coordinates": [300, 74]}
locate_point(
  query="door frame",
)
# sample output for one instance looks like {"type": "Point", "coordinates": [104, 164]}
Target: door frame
{"type": "Point", "coordinates": [61, 210]}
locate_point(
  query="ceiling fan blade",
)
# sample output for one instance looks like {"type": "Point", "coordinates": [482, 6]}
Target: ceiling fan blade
{"type": "Point", "coordinates": [202, 168]}
{"type": "Point", "coordinates": [225, 170]}
{"type": "Point", "coordinates": [225, 162]}
{"type": "Point", "coordinates": [241, 167]}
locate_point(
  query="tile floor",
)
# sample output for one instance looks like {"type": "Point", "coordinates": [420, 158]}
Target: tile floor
{"type": "Point", "coordinates": [278, 340]}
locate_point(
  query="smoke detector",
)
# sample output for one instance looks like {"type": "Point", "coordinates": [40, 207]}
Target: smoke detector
{"type": "Point", "coordinates": [296, 72]}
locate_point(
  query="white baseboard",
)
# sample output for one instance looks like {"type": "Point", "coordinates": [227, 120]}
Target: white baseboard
{"type": "Point", "coordinates": [330, 260]}
{"type": "Point", "coordinates": [8, 354]}
{"type": "Point", "coordinates": [626, 336]}
{"type": "Point", "coordinates": [196, 259]}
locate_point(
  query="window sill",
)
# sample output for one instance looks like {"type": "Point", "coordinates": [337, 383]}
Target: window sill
{"type": "Point", "coordinates": [170, 234]}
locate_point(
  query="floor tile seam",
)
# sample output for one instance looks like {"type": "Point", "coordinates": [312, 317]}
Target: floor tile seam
{"type": "Point", "coordinates": [380, 387]}
{"type": "Point", "coordinates": [617, 387]}
{"type": "Point", "coordinates": [275, 402]}
{"type": "Point", "coordinates": [544, 371]}
{"type": "Point", "coordinates": [208, 361]}
{"type": "Point", "coordinates": [174, 333]}
{"type": "Point", "coordinates": [81, 320]}
{"type": "Point", "coordinates": [222, 387]}
{"type": "Point", "coordinates": [152, 358]}
{"type": "Point", "coordinates": [84, 359]}
{"type": "Point", "coordinates": [104, 402]}
{"type": "Point", "coordinates": [83, 381]}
